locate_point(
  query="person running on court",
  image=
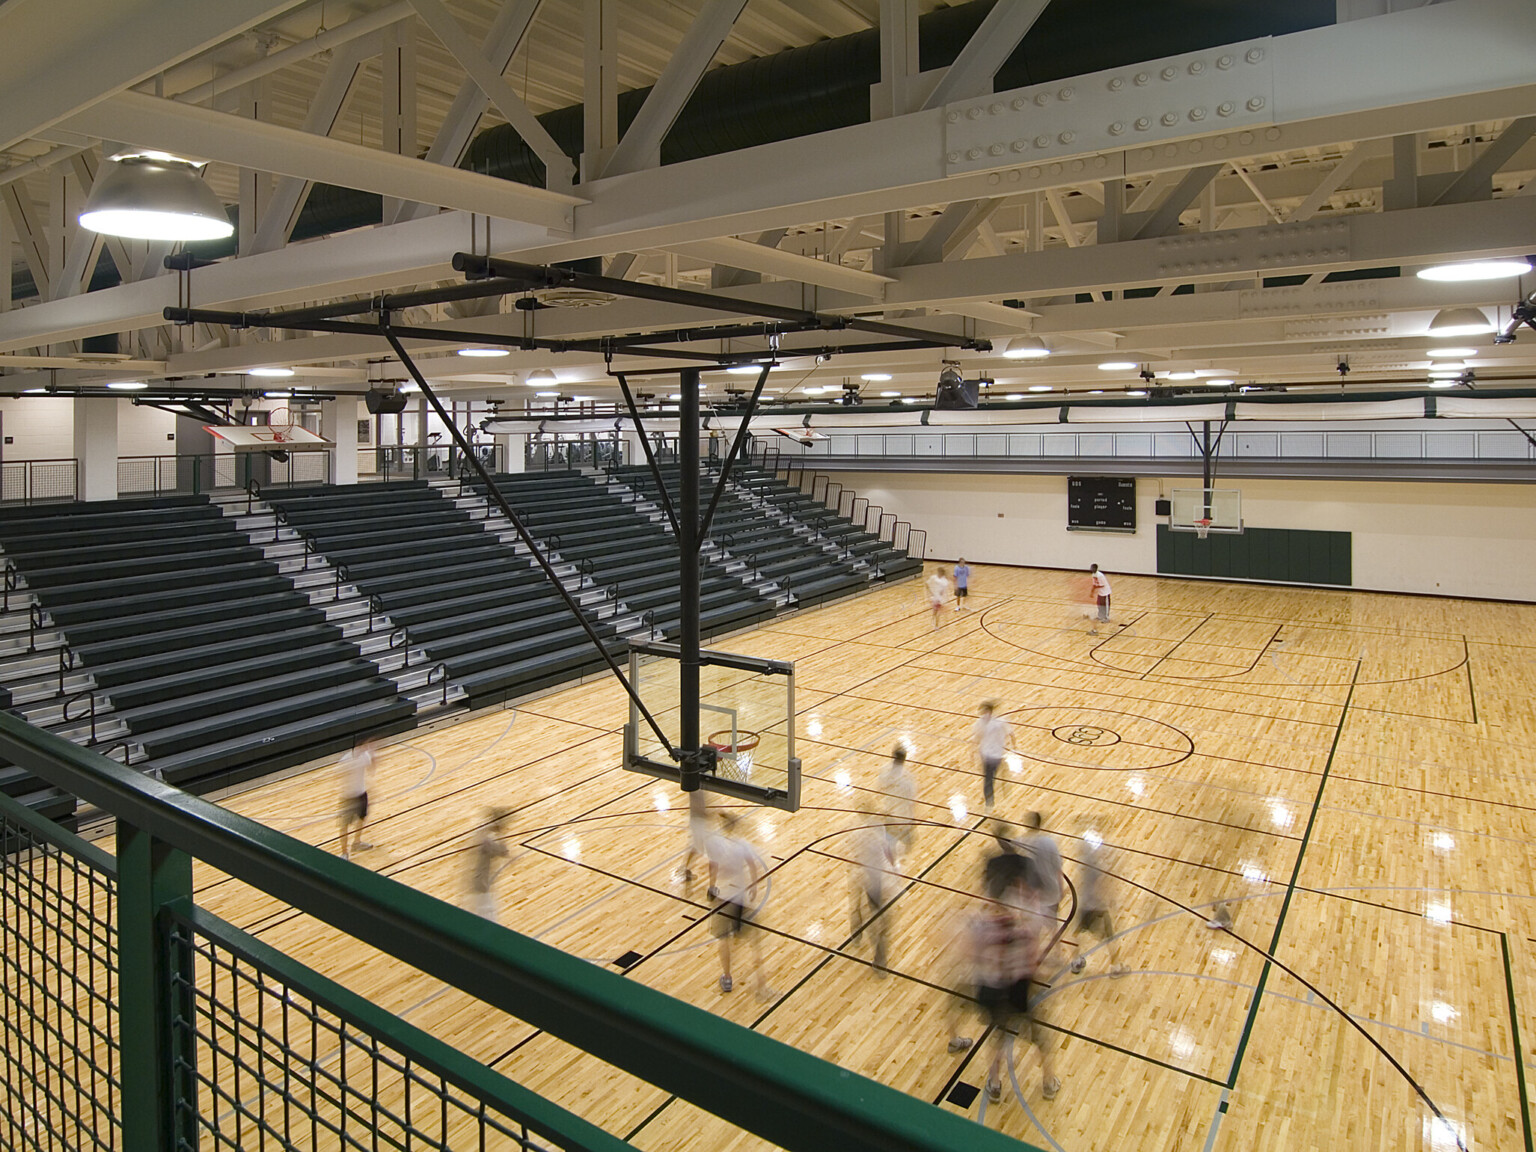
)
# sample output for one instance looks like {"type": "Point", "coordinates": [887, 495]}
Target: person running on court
{"type": "Point", "coordinates": [1093, 916]}
{"type": "Point", "coordinates": [898, 795]}
{"type": "Point", "coordinates": [356, 768]}
{"type": "Point", "coordinates": [938, 593]}
{"type": "Point", "coordinates": [874, 867]}
{"type": "Point", "coordinates": [1099, 584]}
{"type": "Point", "coordinates": [1044, 853]}
{"type": "Point", "coordinates": [484, 853]}
{"type": "Point", "coordinates": [698, 832]}
{"type": "Point", "coordinates": [962, 584]}
{"type": "Point", "coordinates": [1010, 942]}
{"type": "Point", "coordinates": [735, 870]}
{"type": "Point", "coordinates": [991, 735]}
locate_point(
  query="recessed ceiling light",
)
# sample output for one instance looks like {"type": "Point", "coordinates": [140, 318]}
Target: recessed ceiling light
{"type": "Point", "coordinates": [1220, 383]}
{"type": "Point", "coordinates": [1459, 322]}
{"type": "Point", "coordinates": [128, 385]}
{"type": "Point", "coordinates": [876, 377]}
{"type": "Point", "coordinates": [1117, 365]}
{"type": "Point", "coordinates": [1476, 270]}
{"type": "Point", "coordinates": [271, 373]}
{"type": "Point", "coordinates": [1041, 388]}
{"type": "Point", "coordinates": [486, 353]}
{"type": "Point", "coordinates": [1183, 376]}
{"type": "Point", "coordinates": [887, 394]}
{"type": "Point", "coordinates": [1014, 396]}
{"type": "Point", "coordinates": [549, 394]}
{"type": "Point", "coordinates": [1025, 348]}
{"type": "Point", "coordinates": [1451, 353]}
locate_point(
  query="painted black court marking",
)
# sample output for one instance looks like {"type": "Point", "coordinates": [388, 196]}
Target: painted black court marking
{"type": "Point", "coordinates": [1514, 1032]}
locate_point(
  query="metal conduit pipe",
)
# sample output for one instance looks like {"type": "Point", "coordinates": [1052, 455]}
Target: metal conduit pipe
{"type": "Point", "coordinates": [825, 85]}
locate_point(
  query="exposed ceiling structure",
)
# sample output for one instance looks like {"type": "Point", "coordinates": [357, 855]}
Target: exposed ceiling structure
{"type": "Point", "coordinates": [1250, 205]}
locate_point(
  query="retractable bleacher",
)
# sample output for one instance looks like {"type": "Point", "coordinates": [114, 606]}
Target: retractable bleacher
{"type": "Point", "coordinates": [888, 561]}
{"type": "Point", "coordinates": [469, 599]}
{"type": "Point", "coordinates": [627, 551]}
{"type": "Point", "coordinates": [215, 664]}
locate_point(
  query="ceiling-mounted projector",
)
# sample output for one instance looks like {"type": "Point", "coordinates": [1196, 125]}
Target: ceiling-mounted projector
{"type": "Point", "coordinates": [954, 391]}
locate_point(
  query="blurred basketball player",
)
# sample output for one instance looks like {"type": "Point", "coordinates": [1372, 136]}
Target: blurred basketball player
{"type": "Point", "coordinates": [898, 798]}
{"type": "Point", "coordinates": [699, 832]}
{"type": "Point", "coordinates": [1010, 941]}
{"type": "Point", "coordinates": [1093, 914]}
{"type": "Point", "coordinates": [991, 734]}
{"type": "Point", "coordinates": [938, 593]}
{"type": "Point", "coordinates": [1099, 591]}
{"type": "Point", "coordinates": [356, 769]}
{"type": "Point", "coordinates": [485, 851]}
{"type": "Point", "coordinates": [874, 857]}
{"type": "Point", "coordinates": [1041, 848]}
{"type": "Point", "coordinates": [735, 870]}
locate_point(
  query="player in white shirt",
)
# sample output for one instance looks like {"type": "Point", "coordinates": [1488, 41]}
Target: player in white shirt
{"type": "Point", "coordinates": [938, 593]}
{"type": "Point", "coordinates": [1099, 584]}
{"type": "Point", "coordinates": [356, 767]}
{"type": "Point", "coordinates": [991, 735]}
{"type": "Point", "coordinates": [874, 881]}
{"type": "Point", "coordinates": [735, 870]}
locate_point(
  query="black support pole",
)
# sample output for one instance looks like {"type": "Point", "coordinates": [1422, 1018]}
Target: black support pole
{"type": "Point", "coordinates": [688, 577]}
{"type": "Point", "coordinates": [1205, 472]}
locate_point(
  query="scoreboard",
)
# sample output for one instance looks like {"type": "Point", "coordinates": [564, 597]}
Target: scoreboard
{"type": "Point", "coordinates": [1102, 503]}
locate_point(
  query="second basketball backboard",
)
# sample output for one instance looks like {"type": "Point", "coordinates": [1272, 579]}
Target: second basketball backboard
{"type": "Point", "coordinates": [746, 711]}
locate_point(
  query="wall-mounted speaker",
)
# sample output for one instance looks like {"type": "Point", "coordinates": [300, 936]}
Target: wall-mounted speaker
{"type": "Point", "coordinates": [382, 403]}
{"type": "Point", "coordinates": [1163, 508]}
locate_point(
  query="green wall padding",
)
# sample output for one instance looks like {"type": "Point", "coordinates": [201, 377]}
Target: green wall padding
{"type": "Point", "coordinates": [1292, 555]}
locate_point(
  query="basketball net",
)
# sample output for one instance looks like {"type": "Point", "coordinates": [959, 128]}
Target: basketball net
{"type": "Point", "coordinates": [280, 424]}
{"type": "Point", "coordinates": [1202, 528]}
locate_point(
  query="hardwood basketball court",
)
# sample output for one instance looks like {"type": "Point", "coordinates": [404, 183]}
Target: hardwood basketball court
{"type": "Point", "coordinates": [1348, 771]}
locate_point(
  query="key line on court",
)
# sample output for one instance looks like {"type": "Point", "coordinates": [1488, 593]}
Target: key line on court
{"type": "Point", "coordinates": [1177, 644]}
{"type": "Point", "coordinates": [1254, 1005]}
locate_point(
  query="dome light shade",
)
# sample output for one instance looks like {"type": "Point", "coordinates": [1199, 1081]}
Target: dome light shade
{"type": "Point", "coordinates": [155, 197]}
{"type": "Point", "coordinates": [1025, 348]}
{"type": "Point", "coordinates": [541, 376]}
{"type": "Point", "coordinates": [1476, 270]}
{"type": "Point", "coordinates": [1459, 322]}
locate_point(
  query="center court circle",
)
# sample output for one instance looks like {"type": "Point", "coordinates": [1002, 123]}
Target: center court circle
{"type": "Point", "coordinates": [1097, 738]}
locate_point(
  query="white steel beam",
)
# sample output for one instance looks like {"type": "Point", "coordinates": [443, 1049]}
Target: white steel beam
{"type": "Point", "coordinates": [600, 84]}
{"type": "Point", "coordinates": [640, 146]}
{"type": "Point", "coordinates": [209, 135]}
{"type": "Point", "coordinates": [1332, 182]}
{"type": "Point", "coordinates": [994, 40]}
{"type": "Point", "coordinates": [899, 59]}
{"type": "Point", "coordinates": [489, 79]}
{"type": "Point", "coordinates": [30, 236]}
{"type": "Point", "coordinates": [60, 56]}
{"type": "Point", "coordinates": [744, 254]}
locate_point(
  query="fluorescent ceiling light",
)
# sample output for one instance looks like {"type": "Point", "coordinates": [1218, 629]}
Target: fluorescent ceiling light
{"type": "Point", "coordinates": [1220, 383]}
{"type": "Point", "coordinates": [1183, 375]}
{"type": "Point", "coordinates": [911, 399]}
{"type": "Point", "coordinates": [675, 396]}
{"type": "Point", "coordinates": [1014, 396]}
{"type": "Point", "coordinates": [1476, 270]}
{"type": "Point", "coordinates": [745, 369]}
{"type": "Point", "coordinates": [1137, 392]}
{"type": "Point", "coordinates": [487, 353]}
{"type": "Point", "coordinates": [1451, 353]}
{"type": "Point", "coordinates": [408, 387]}
{"type": "Point", "coordinates": [1203, 372]}
{"type": "Point", "coordinates": [1459, 322]}
{"type": "Point", "coordinates": [1025, 348]}
{"type": "Point", "coordinates": [551, 394]}
{"type": "Point", "coordinates": [128, 385]}
{"type": "Point", "coordinates": [1117, 366]}
{"type": "Point", "coordinates": [541, 376]}
{"type": "Point", "coordinates": [887, 394]}
{"type": "Point", "coordinates": [32, 391]}
{"type": "Point", "coordinates": [1444, 383]}
{"type": "Point", "coordinates": [1447, 373]}
{"type": "Point", "coordinates": [1041, 388]}
{"type": "Point", "coordinates": [283, 395]}
{"type": "Point", "coordinates": [272, 373]}
{"type": "Point", "coordinates": [876, 377]}
{"type": "Point", "coordinates": [1095, 391]}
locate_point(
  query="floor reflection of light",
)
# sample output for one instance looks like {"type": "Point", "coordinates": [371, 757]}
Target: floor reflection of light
{"type": "Point", "coordinates": [842, 779]}
{"type": "Point", "coordinates": [1444, 842]}
{"type": "Point", "coordinates": [662, 801]}
{"type": "Point", "coordinates": [813, 932]}
{"type": "Point", "coordinates": [1015, 762]}
{"type": "Point", "coordinates": [1280, 815]}
{"type": "Point", "coordinates": [1137, 787]}
{"type": "Point", "coordinates": [1439, 913]}
{"type": "Point", "coordinates": [1442, 1012]}
{"type": "Point", "coordinates": [957, 807]}
{"type": "Point", "coordinates": [1181, 1043]}
{"type": "Point", "coordinates": [813, 728]}
{"type": "Point", "coordinates": [1254, 874]}
{"type": "Point", "coordinates": [1093, 839]}
{"type": "Point", "coordinates": [571, 849]}
{"type": "Point", "coordinates": [1223, 955]}
{"type": "Point", "coordinates": [1443, 1135]}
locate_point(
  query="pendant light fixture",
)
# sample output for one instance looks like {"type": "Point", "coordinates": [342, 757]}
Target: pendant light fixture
{"type": "Point", "coordinates": [154, 196]}
{"type": "Point", "coordinates": [1450, 322]}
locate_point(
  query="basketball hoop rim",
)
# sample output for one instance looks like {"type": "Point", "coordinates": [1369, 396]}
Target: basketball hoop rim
{"type": "Point", "coordinates": [745, 742]}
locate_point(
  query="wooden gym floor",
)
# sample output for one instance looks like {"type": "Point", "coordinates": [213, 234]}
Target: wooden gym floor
{"type": "Point", "coordinates": [1353, 774]}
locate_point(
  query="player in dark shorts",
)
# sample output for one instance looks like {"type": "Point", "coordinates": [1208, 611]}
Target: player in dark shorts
{"type": "Point", "coordinates": [1093, 917]}
{"type": "Point", "coordinates": [1011, 938]}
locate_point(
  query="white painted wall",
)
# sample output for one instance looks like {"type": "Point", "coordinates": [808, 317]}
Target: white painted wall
{"type": "Point", "coordinates": [1448, 539]}
{"type": "Point", "coordinates": [40, 428]}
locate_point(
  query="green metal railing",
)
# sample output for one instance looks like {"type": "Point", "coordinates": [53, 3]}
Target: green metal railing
{"type": "Point", "coordinates": [137, 1020]}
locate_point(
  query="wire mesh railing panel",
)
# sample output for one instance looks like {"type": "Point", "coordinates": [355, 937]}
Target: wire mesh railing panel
{"type": "Point", "coordinates": [264, 1061]}
{"type": "Point", "coordinates": [59, 1067]}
